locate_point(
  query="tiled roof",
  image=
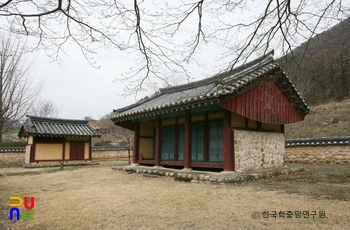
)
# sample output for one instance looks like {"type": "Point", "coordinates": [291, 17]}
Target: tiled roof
{"type": "Point", "coordinates": [12, 149]}
{"type": "Point", "coordinates": [53, 127]}
{"type": "Point", "coordinates": [212, 88]}
{"type": "Point", "coordinates": [93, 148]}
{"type": "Point", "coordinates": [345, 140]}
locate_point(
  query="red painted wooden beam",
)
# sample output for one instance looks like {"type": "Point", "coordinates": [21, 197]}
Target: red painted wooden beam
{"type": "Point", "coordinates": [188, 139]}
{"type": "Point", "coordinates": [176, 141]}
{"type": "Point", "coordinates": [32, 151]}
{"type": "Point", "coordinates": [64, 150]}
{"type": "Point", "coordinates": [228, 143]}
{"type": "Point", "coordinates": [158, 141]}
{"type": "Point", "coordinates": [206, 138]}
{"type": "Point", "coordinates": [135, 154]}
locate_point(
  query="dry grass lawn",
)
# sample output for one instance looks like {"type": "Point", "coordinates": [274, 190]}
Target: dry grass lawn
{"type": "Point", "coordinates": [95, 197]}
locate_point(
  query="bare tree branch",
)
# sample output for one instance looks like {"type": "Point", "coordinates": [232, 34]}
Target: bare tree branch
{"type": "Point", "coordinates": [17, 94]}
{"type": "Point", "coordinates": [167, 36]}
{"type": "Point", "coordinates": [44, 108]}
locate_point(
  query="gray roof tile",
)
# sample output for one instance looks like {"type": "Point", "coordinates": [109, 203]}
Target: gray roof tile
{"type": "Point", "coordinates": [54, 127]}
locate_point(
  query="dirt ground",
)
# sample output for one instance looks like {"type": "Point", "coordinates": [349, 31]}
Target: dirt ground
{"type": "Point", "coordinates": [95, 197]}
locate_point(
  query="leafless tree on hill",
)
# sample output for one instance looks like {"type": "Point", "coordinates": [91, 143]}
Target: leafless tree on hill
{"type": "Point", "coordinates": [170, 34]}
{"type": "Point", "coordinates": [88, 118]}
{"type": "Point", "coordinates": [44, 108]}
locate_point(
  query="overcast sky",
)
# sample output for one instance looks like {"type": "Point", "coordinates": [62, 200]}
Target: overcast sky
{"type": "Point", "coordinates": [77, 89]}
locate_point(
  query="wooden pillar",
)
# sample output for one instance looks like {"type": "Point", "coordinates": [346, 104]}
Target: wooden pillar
{"type": "Point", "coordinates": [259, 126]}
{"type": "Point", "coordinates": [158, 141]}
{"type": "Point", "coordinates": [90, 150]}
{"type": "Point", "coordinates": [188, 141]}
{"type": "Point", "coordinates": [135, 155]}
{"type": "Point", "coordinates": [229, 159]}
{"type": "Point", "coordinates": [206, 138]}
{"type": "Point", "coordinates": [64, 149]}
{"type": "Point", "coordinates": [176, 141]}
{"type": "Point", "coordinates": [32, 151]}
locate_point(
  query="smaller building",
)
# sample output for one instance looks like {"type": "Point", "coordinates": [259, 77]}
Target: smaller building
{"type": "Point", "coordinates": [51, 139]}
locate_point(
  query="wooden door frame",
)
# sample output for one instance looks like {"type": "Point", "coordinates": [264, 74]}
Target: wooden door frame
{"type": "Point", "coordinates": [80, 145]}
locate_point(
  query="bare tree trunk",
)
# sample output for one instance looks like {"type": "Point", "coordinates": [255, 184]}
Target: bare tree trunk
{"type": "Point", "coordinates": [17, 94]}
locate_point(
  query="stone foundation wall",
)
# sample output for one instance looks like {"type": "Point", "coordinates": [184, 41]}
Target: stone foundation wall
{"type": "Point", "coordinates": [11, 158]}
{"type": "Point", "coordinates": [329, 154]}
{"type": "Point", "coordinates": [258, 150]}
{"type": "Point", "coordinates": [106, 154]}
{"type": "Point", "coordinates": [204, 177]}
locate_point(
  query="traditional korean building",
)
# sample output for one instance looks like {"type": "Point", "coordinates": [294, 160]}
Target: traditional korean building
{"type": "Point", "coordinates": [51, 139]}
{"type": "Point", "coordinates": [233, 121]}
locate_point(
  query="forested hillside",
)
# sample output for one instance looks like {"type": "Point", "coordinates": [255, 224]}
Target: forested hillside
{"type": "Point", "coordinates": [324, 72]}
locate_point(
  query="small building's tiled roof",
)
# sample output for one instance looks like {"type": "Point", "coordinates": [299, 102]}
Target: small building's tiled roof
{"type": "Point", "coordinates": [54, 127]}
{"type": "Point", "coordinates": [212, 88]}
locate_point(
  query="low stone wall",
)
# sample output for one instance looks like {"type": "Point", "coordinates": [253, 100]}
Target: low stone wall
{"type": "Point", "coordinates": [329, 150]}
{"type": "Point", "coordinates": [16, 156]}
{"type": "Point", "coordinates": [110, 152]}
{"type": "Point", "coordinates": [12, 155]}
{"type": "Point", "coordinates": [11, 158]}
{"type": "Point", "coordinates": [258, 150]}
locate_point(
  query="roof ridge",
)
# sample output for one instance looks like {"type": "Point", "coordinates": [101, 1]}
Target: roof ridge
{"type": "Point", "coordinates": [60, 120]}
{"type": "Point", "coordinates": [141, 101]}
{"type": "Point", "coordinates": [57, 127]}
{"type": "Point", "coordinates": [265, 59]}
{"type": "Point", "coordinates": [268, 57]}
